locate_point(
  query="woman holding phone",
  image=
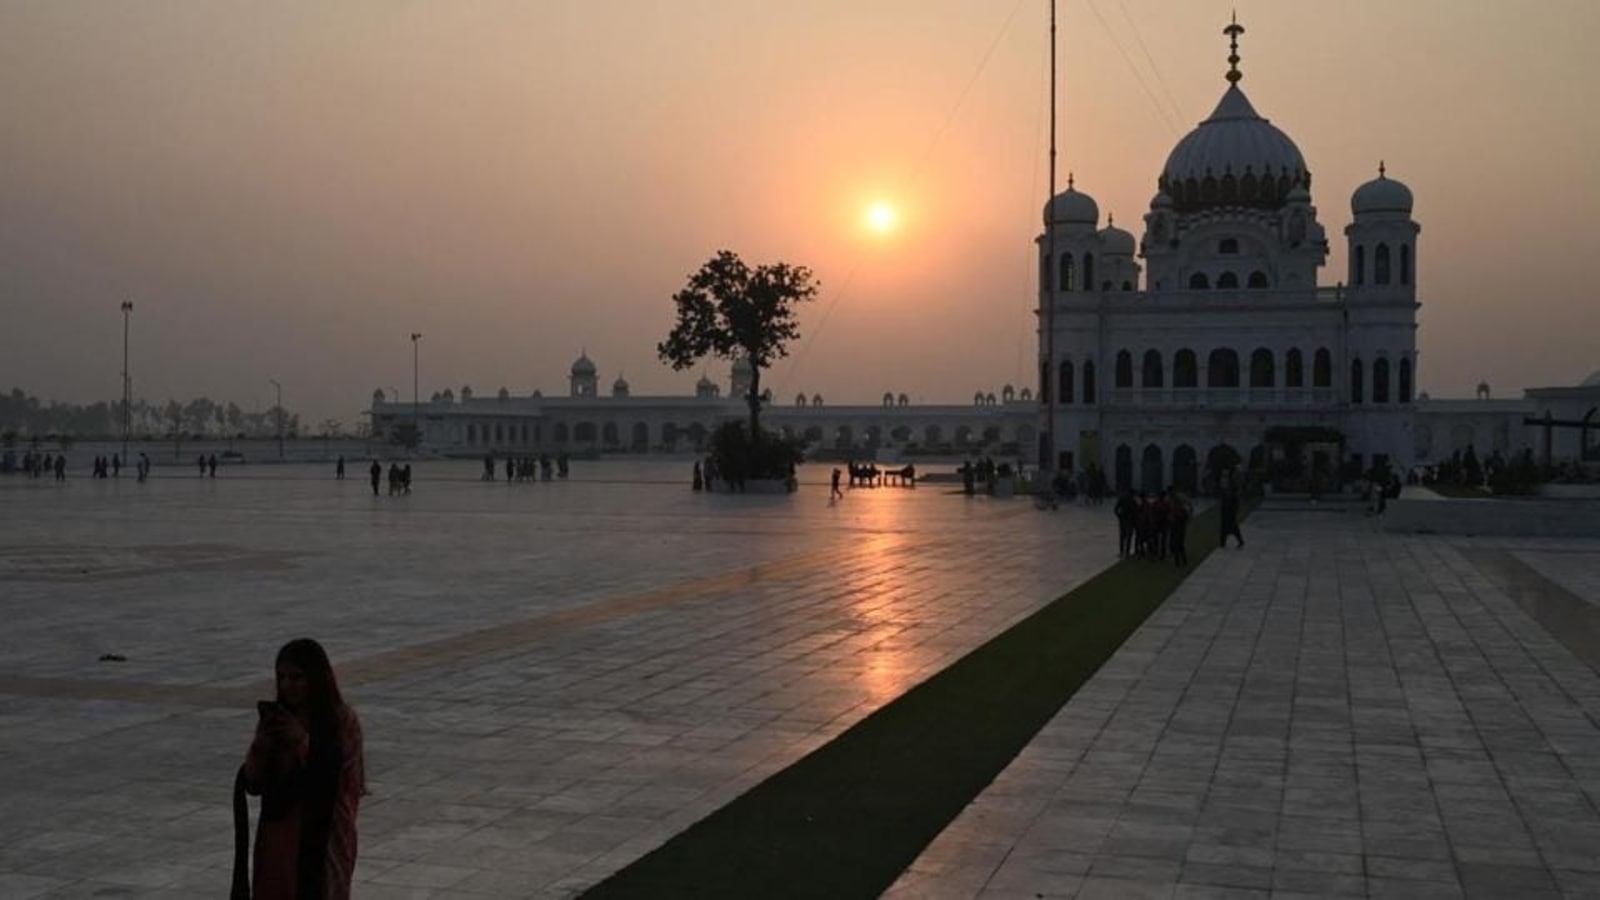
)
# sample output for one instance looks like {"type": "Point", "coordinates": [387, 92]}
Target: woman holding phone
{"type": "Point", "coordinates": [306, 765]}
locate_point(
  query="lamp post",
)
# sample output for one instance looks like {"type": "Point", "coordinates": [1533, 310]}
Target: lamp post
{"type": "Point", "coordinates": [127, 385]}
{"type": "Point", "coordinates": [416, 416]}
{"type": "Point", "coordinates": [279, 388]}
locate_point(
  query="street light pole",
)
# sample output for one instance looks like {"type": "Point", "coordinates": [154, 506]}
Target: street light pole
{"type": "Point", "coordinates": [279, 389]}
{"type": "Point", "coordinates": [127, 385]}
{"type": "Point", "coordinates": [416, 416]}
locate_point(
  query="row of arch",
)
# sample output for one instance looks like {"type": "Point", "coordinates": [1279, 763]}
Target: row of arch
{"type": "Point", "coordinates": [1223, 371]}
{"type": "Point", "coordinates": [1382, 269]}
{"type": "Point", "coordinates": [1071, 276]}
{"type": "Point", "coordinates": [1249, 190]}
{"type": "Point", "coordinates": [1200, 281]}
{"type": "Point", "coordinates": [610, 434]}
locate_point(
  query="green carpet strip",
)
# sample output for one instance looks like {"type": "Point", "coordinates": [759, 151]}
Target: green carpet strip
{"type": "Point", "coordinates": [847, 819]}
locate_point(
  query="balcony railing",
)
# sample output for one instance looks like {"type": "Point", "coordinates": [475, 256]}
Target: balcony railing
{"type": "Point", "coordinates": [1222, 397]}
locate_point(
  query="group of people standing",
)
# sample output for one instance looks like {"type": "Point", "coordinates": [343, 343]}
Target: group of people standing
{"type": "Point", "coordinates": [399, 478]}
{"type": "Point", "coordinates": [527, 468]}
{"type": "Point", "coordinates": [40, 465]}
{"type": "Point", "coordinates": [1153, 527]}
{"type": "Point", "coordinates": [706, 476]}
{"type": "Point", "coordinates": [206, 464]}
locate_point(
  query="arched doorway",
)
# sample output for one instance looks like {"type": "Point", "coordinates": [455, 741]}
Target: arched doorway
{"type": "Point", "coordinates": [1150, 470]}
{"type": "Point", "coordinates": [611, 435]}
{"type": "Point", "coordinates": [1124, 473]}
{"type": "Point", "coordinates": [641, 436]}
{"type": "Point", "coordinates": [1185, 469]}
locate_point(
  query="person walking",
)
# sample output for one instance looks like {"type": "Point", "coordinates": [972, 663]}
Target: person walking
{"type": "Point", "coordinates": [338, 469]}
{"type": "Point", "coordinates": [211, 466]}
{"type": "Point", "coordinates": [307, 764]}
{"type": "Point", "coordinates": [1178, 523]}
{"type": "Point", "coordinates": [1229, 514]}
{"type": "Point", "coordinates": [836, 493]}
{"type": "Point", "coordinates": [376, 474]}
{"type": "Point", "coordinates": [1127, 513]}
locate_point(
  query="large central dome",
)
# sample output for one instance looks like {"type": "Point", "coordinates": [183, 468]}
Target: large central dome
{"type": "Point", "coordinates": [1233, 158]}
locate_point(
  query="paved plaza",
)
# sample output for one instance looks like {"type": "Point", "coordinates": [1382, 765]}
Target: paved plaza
{"type": "Point", "coordinates": [555, 678]}
{"type": "Point", "coordinates": [1330, 712]}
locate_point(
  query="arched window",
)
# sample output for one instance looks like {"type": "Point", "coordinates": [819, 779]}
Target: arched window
{"type": "Point", "coordinates": [1262, 369]}
{"type": "Point", "coordinates": [1088, 381]}
{"type": "Point", "coordinates": [1067, 280]}
{"type": "Point", "coordinates": [1293, 369]}
{"type": "Point", "coordinates": [1185, 371]}
{"type": "Point", "coordinates": [1152, 368]}
{"type": "Point", "coordinates": [1127, 285]}
{"type": "Point", "coordinates": [1222, 369]}
{"type": "Point", "coordinates": [1150, 470]}
{"type": "Point", "coordinates": [1258, 279]}
{"type": "Point", "coordinates": [1358, 266]}
{"type": "Point", "coordinates": [1380, 380]}
{"type": "Point", "coordinates": [1124, 376]}
{"type": "Point", "coordinates": [1044, 382]}
{"type": "Point", "coordinates": [1199, 282]}
{"type": "Point", "coordinates": [472, 433]}
{"type": "Point", "coordinates": [1405, 263]}
{"type": "Point", "coordinates": [1380, 264]}
{"type": "Point", "coordinates": [1322, 369]}
{"type": "Point", "coordinates": [1088, 271]}
{"type": "Point", "coordinates": [1227, 281]}
{"type": "Point", "coordinates": [1405, 379]}
{"type": "Point", "coordinates": [1064, 385]}
{"type": "Point", "coordinates": [1230, 187]}
{"type": "Point", "coordinates": [1355, 381]}
{"type": "Point", "coordinates": [1228, 246]}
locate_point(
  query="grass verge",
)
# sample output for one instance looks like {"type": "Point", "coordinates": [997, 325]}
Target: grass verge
{"type": "Point", "coordinates": [847, 819]}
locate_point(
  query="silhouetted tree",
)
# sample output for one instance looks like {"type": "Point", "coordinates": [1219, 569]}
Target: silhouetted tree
{"type": "Point", "coordinates": [729, 310]}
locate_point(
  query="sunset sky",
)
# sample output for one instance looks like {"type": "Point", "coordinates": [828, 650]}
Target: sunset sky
{"type": "Point", "coordinates": [287, 190]}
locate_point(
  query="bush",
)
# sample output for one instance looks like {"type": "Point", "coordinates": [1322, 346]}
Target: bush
{"type": "Point", "coordinates": [738, 457]}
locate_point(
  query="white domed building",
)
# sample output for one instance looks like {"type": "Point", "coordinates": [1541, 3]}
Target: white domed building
{"type": "Point", "coordinates": [1222, 342]}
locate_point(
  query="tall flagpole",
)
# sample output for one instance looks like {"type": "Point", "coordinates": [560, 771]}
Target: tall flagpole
{"type": "Point", "coordinates": [1047, 277]}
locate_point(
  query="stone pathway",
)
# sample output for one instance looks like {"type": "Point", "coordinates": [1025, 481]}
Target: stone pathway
{"type": "Point", "coordinates": [553, 678]}
{"type": "Point", "coordinates": [1330, 712]}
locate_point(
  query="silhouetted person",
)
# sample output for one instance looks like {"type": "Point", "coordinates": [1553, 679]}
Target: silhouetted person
{"type": "Point", "coordinates": [200, 465]}
{"type": "Point", "coordinates": [211, 465]}
{"type": "Point", "coordinates": [405, 478]}
{"type": "Point", "coordinates": [376, 474]}
{"type": "Point", "coordinates": [116, 466]}
{"type": "Point", "coordinates": [1230, 515]}
{"type": "Point", "coordinates": [338, 469]}
{"type": "Point", "coordinates": [1178, 523]}
{"type": "Point", "coordinates": [511, 470]}
{"type": "Point", "coordinates": [699, 480]}
{"type": "Point", "coordinates": [835, 492]}
{"type": "Point", "coordinates": [61, 467]}
{"type": "Point", "coordinates": [144, 467]}
{"type": "Point", "coordinates": [1127, 513]}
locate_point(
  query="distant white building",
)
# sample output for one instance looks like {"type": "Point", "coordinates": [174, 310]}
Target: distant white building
{"type": "Point", "coordinates": [1227, 336]}
{"type": "Point", "coordinates": [587, 421]}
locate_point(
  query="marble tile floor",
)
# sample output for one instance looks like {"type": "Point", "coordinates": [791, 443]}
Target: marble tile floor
{"type": "Point", "coordinates": [553, 678]}
{"type": "Point", "coordinates": [1331, 712]}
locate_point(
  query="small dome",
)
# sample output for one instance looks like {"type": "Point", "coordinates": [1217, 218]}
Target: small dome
{"type": "Point", "coordinates": [1115, 241]}
{"type": "Point", "coordinates": [1072, 207]}
{"type": "Point", "coordinates": [620, 386]}
{"type": "Point", "coordinates": [1381, 195]}
{"type": "Point", "coordinates": [1298, 194]}
{"type": "Point", "coordinates": [583, 365]}
{"type": "Point", "coordinates": [705, 382]}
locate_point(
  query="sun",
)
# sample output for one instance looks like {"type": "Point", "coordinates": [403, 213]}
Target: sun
{"type": "Point", "coordinates": [881, 218]}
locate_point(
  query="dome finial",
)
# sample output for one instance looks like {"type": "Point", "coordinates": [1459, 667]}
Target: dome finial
{"type": "Point", "coordinates": [1069, 181]}
{"type": "Point", "coordinates": [1111, 219]}
{"type": "Point", "coordinates": [1381, 170]}
{"type": "Point", "coordinates": [1233, 31]}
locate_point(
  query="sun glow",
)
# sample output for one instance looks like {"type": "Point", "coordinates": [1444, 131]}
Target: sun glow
{"type": "Point", "coordinates": [881, 218]}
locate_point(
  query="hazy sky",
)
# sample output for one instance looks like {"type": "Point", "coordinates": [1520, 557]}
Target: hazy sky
{"type": "Point", "coordinates": [287, 190]}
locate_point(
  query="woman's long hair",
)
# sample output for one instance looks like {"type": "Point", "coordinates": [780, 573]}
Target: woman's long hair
{"type": "Point", "coordinates": [323, 700]}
